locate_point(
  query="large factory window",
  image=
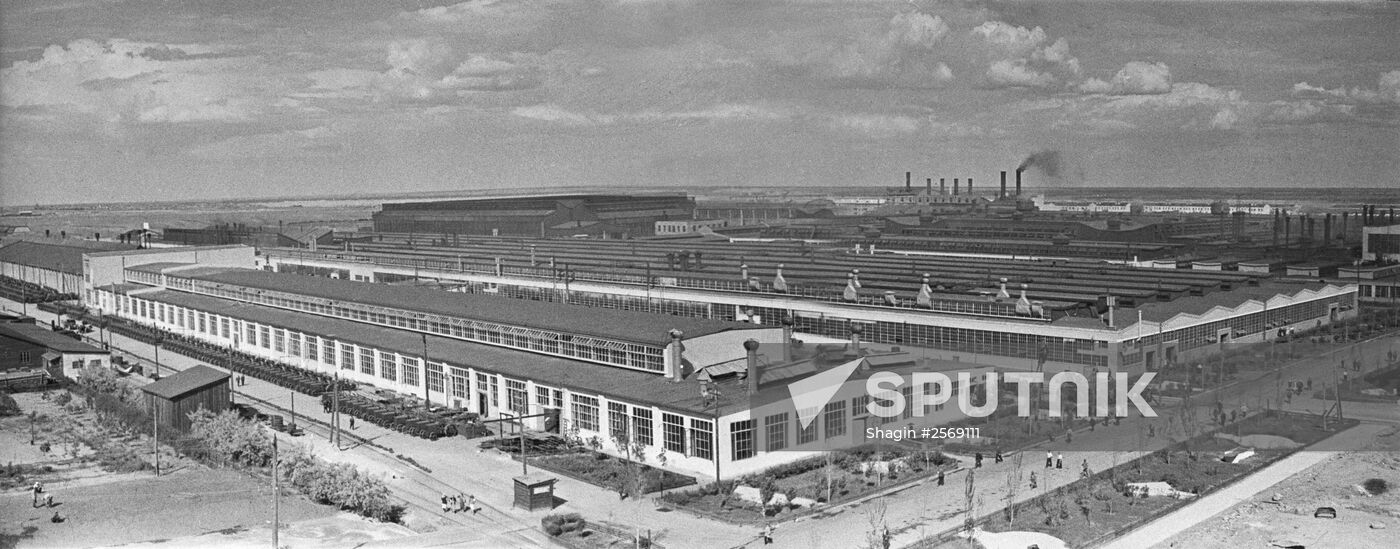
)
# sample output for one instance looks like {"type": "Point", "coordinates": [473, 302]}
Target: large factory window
{"type": "Point", "coordinates": [673, 432]}
{"type": "Point", "coordinates": [642, 426]}
{"type": "Point", "coordinates": [585, 412]}
{"type": "Point", "coordinates": [808, 434]}
{"type": "Point", "coordinates": [835, 415]}
{"type": "Point", "coordinates": [741, 439]}
{"type": "Point", "coordinates": [410, 371]}
{"type": "Point", "coordinates": [388, 367]}
{"type": "Point", "coordinates": [776, 428]}
{"type": "Point", "coordinates": [366, 360]}
{"type": "Point", "coordinates": [701, 441]}
{"type": "Point", "coordinates": [347, 358]}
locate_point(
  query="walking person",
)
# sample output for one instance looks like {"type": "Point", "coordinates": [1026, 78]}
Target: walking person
{"type": "Point", "coordinates": [48, 500]}
{"type": "Point", "coordinates": [461, 502]}
{"type": "Point", "coordinates": [998, 455]}
{"type": "Point", "coordinates": [1049, 459]}
{"type": "Point", "coordinates": [352, 423]}
{"type": "Point", "coordinates": [471, 503]}
{"type": "Point", "coordinates": [978, 459]}
{"type": "Point", "coordinates": [940, 477]}
{"type": "Point", "coordinates": [36, 490]}
{"type": "Point", "coordinates": [444, 503]}
{"type": "Point", "coordinates": [1060, 462]}
{"type": "Point", "coordinates": [767, 534]}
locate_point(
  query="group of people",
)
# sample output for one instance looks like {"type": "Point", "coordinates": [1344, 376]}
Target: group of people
{"type": "Point", "coordinates": [998, 457]}
{"type": "Point", "coordinates": [460, 503]}
{"type": "Point", "coordinates": [37, 489]}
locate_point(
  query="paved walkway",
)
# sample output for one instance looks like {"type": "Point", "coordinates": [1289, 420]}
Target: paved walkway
{"type": "Point", "coordinates": [912, 514]}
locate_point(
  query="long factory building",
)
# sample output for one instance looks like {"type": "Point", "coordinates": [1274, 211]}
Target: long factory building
{"type": "Point", "coordinates": [1051, 314]}
{"type": "Point", "coordinates": [569, 343]}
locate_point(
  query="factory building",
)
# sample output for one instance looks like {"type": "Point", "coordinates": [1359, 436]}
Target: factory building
{"type": "Point", "coordinates": [1051, 314]}
{"type": "Point", "coordinates": [605, 216]}
{"type": "Point", "coordinates": [600, 368]}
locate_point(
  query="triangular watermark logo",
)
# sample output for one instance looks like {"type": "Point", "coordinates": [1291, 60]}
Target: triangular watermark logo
{"type": "Point", "coordinates": [812, 394]}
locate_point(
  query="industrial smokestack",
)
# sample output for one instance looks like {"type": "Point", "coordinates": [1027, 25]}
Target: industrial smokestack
{"type": "Point", "coordinates": [969, 185]}
{"type": "Point", "coordinates": [1327, 229]}
{"type": "Point", "coordinates": [942, 186]}
{"type": "Point", "coordinates": [908, 180]}
{"type": "Point", "coordinates": [955, 186]}
{"type": "Point", "coordinates": [1343, 235]}
{"type": "Point", "coordinates": [1287, 229]}
{"type": "Point", "coordinates": [929, 189]}
{"type": "Point", "coordinates": [1003, 184]}
{"type": "Point", "coordinates": [1018, 182]}
{"type": "Point", "coordinates": [751, 348]}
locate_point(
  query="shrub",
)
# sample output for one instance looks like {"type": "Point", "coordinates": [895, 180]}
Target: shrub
{"type": "Point", "coordinates": [556, 525]}
{"type": "Point", "coordinates": [1376, 486]}
{"type": "Point", "coordinates": [8, 406]}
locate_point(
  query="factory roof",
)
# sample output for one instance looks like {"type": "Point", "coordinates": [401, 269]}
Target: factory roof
{"type": "Point", "coordinates": [645, 328]}
{"type": "Point", "coordinates": [1196, 305]}
{"type": "Point", "coordinates": [63, 255]}
{"type": "Point", "coordinates": [167, 249]}
{"type": "Point", "coordinates": [46, 338]}
{"type": "Point", "coordinates": [549, 370]}
{"type": "Point", "coordinates": [185, 382]}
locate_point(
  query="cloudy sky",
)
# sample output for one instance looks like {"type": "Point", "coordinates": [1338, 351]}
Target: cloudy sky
{"type": "Point", "coordinates": [176, 99]}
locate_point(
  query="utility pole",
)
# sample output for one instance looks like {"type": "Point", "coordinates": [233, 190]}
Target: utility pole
{"type": "Point", "coordinates": [276, 496]}
{"type": "Point", "coordinates": [335, 409]}
{"type": "Point", "coordinates": [155, 434]}
{"type": "Point", "coordinates": [156, 344]}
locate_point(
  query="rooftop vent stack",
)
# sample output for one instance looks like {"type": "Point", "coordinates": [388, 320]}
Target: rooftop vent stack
{"type": "Point", "coordinates": [780, 283]}
{"type": "Point", "coordinates": [890, 298]}
{"type": "Point", "coordinates": [1342, 235]}
{"type": "Point", "coordinates": [498, 267]}
{"type": "Point", "coordinates": [788, 323]}
{"type": "Point", "coordinates": [855, 278]}
{"type": "Point", "coordinates": [1003, 294]}
{"type": "Point", "coordinates": [942, 186]}
{"type": "Point", "coordinates": [925, 298]}
{"type": "Point", "coordinates": [677, 366]}
{"type": "Point", "coordinates": [752, 372]}
{"type": "Point", "coordinates": [856, 330]}
{"type": "Point", "coordinates": [1023, 305]}
{"type": "Point", "coordinates": [908, 180]}
{"type": "Point", "coordinates": [744, 271]}
{"type": "Point", "coordinates": [955, 186]}
{"type": "Point", "coordinates": [969, 185]}
{"type": "Point", "coordinates": [755, 285]}
{"type": "Point", "coordinates": [1018, 182]}
{"type": "Point", "coordinates": [850, 294]}
{"type": "Point", "coordinates": [1392, 216]}
{"type": "Point", "coordinates": [1287, 229]}
{"type": "Point", "coordinates": [1003, 185]}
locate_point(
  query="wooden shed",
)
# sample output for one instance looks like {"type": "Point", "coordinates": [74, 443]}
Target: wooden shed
{"type": "Point", "coordinates": [176, 396]}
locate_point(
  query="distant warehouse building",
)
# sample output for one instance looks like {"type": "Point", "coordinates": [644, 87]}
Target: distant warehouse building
{"type": "Point", "coordinates": [606, 216]}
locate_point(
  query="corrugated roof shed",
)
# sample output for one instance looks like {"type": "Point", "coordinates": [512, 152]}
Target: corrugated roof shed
{"type": "Point", "coordinates": [186, 382]}
{"type": "Point", "coordinates": [48, 339]}
{"type": "Point", "coordinates": [593, 378]}
{"type": "Point", "coordinates": [647, 328]}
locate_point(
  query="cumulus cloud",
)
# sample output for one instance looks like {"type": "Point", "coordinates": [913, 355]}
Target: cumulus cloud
{"type": "Point", "coordinates": [1013, 40]}
{"type": "Point", "coordinates": [423, 71]}
{"type": "Point", "coordinates": [1307, 112]}
{"type": "Point", "coordinates": [1135, 78]}
{"type": "Point", "coordinates": [1224, 119]}
{"type": "Point", "coordinates": [905, 50]}
{"type": "Point", "coordinates": [1387, 91]}
{"type": "Point", "coordinates": [1020, 58]}
{"type": "Point", "coordinates": [126, 81]}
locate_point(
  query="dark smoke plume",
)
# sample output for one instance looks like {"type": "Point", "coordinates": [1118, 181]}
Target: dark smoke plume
{"type": "Point", "coordinates": [1048, 162]}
